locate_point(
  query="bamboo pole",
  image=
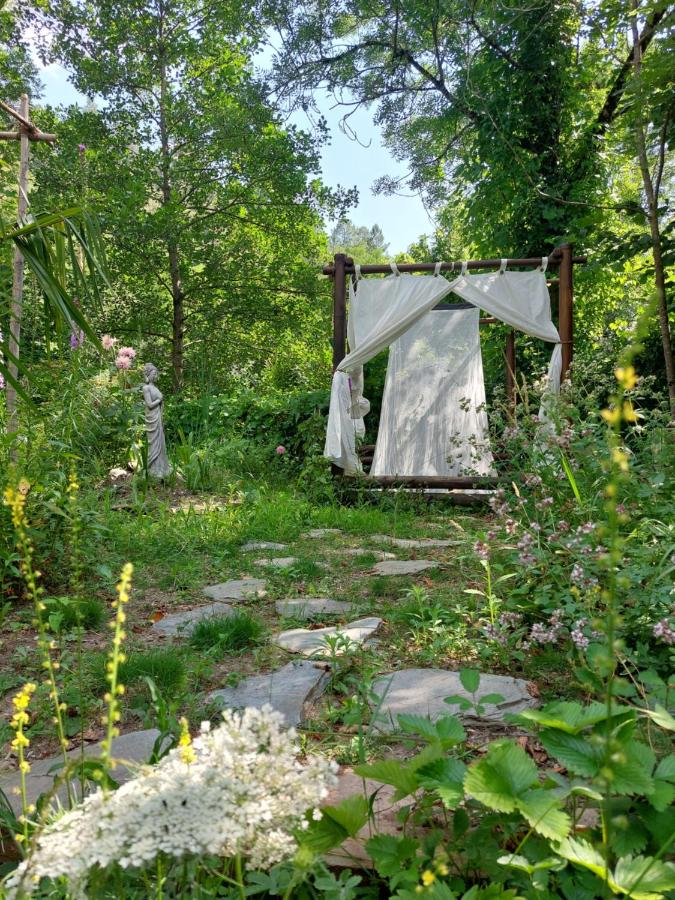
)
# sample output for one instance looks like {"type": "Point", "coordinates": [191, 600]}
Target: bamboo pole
{"type": "Point", "coordinates": [16, 309]}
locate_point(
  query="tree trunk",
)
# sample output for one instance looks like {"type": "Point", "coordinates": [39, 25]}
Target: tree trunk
{"type": "Point", "coordinates": [16, 309]}
{"type": "Point", "coordinates": [177, 293]}
{"type": "Point", "coordinates": [651, 194]}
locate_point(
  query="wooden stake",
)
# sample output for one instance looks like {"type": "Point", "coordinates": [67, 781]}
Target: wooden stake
{"type": "Point", "coordinates": [16, 310]}
{"type": "Point", "coordinates": [339, 309]}
{"type": "Point", "coordinates": [565, 307]}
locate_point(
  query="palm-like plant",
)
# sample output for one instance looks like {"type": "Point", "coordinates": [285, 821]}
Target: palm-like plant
{"type": "Point", "coordinates": [64, 251]}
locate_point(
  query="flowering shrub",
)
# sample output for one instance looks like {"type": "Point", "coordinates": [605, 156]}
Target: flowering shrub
{"type": "Point", "coordinates": [238, 790]}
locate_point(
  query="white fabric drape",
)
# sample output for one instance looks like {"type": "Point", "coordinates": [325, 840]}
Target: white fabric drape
{"type": "Point", "coordinates": [433, 419]}
{"type": "Point", "coordinates": [381, 310]}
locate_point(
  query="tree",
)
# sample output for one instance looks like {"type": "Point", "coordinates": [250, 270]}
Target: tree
{"type": "Point", "coordinates": [365, 245]}
{"type": "Point", "coordinates": [207, 197]}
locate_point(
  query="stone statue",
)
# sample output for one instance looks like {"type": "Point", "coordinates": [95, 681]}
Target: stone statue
{"type": "Point", "coordinates": [158, 462]}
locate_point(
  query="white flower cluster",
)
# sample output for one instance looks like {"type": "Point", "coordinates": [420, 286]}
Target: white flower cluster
{"type": "Point", "coordinates": [244, 792]}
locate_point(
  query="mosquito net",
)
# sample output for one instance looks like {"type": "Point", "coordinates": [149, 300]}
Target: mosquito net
{"type": "Point", "coordinates": [433, 418]}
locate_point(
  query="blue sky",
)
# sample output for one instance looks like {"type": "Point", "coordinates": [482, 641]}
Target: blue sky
{"type": "Point", "coordinates": [345, 162]}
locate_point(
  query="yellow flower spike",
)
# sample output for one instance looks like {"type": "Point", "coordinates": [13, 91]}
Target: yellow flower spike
{"type": "Point", "coordinates": [629, 413]}
{"type": "Point", "coordinates": [21, 718]}
{"type": "Point", "coordinates": [620, 458]}
{"type": "Point", "coordinates": [626, 377]}
{"type": "Point", "coordinates": [116, 657]}
{"type": "Point", "coordinates": [612, 416]}
{"type": "Point", "coordinates": [428, 878]}
{"type": "Point", "coordinates": [187, 753]}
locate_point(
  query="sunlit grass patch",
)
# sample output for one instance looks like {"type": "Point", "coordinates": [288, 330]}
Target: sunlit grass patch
{"type": "Point", "coordinates": [66, 613]}
{"type": "Point", "coordinates": [230, 634]}
{"type": "Point", "coordinates": [165, 666]}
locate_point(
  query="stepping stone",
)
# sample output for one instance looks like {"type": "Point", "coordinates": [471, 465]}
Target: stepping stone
{"type": "Point", "coordinates": [403, 566]}
{"type": "Point", "coordinates": [278, 562]}
{"type": "Point", "coordinates": [262, 545]}
{"type": "Point", "coordinates": [133, 747]}
{"type": "Point", "coordinates": [288, 691]}
{"type": "Point", "coordinates": [320, 532]}
{"type": "Point", "coordinates": [313, 642]}
{"type": "Point", "coordinates": [237, 589]}
{"type": "Point", "coordinates": [362, 551]}
{"type": "Point", "coordinates": [312, 607]}
{"type": "Point", "coordinates": [181, 624]}
{"type": "Point", "coordinates": [414, 543]}
{"type": "Point", "coordinates": [422, 692]}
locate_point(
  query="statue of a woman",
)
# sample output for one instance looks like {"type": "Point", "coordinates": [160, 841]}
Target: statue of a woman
{"type": "Point", "coordinates": [158, 462]}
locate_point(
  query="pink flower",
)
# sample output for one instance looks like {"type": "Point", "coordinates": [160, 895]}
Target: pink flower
{"type": "Point", "coordinates": [281, 450]}
{"type": "Point", "coordinates": [127, 351]}
{"type": "Point", "coordinates": [123, 362]}
{"type": "Point", "coordinates": [76, 339]}
{"type": "Point", "coordinates": [108, 342]}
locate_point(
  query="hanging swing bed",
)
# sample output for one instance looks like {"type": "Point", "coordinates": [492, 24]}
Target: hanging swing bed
{"type": "Point", "coordinates": [433, 430]}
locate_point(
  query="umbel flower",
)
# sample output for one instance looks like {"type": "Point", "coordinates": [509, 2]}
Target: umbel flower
{"type": "Point", "coordinates": [241, 792]}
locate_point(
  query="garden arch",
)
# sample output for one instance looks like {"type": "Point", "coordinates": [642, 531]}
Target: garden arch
{"type": "Point", "coordinates": [345, 272]}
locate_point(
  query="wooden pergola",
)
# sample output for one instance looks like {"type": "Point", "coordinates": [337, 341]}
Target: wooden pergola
{"type": "Point", "coordinates": [561, 258]}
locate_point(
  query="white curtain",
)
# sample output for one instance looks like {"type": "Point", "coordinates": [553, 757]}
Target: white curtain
{"type": "Point", "coordinates": [381, 310]}
{"type": "Point", "coordinates": [433, 419]}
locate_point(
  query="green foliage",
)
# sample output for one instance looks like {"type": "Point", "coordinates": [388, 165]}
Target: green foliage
{"type": "Point", "coordinates": [67, 613]}
{"type": "Point", "coordinates": [227, 634]}
{"type": "Point", "coordinates": [165, 667]}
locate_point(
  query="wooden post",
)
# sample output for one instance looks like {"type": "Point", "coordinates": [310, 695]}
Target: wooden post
{"type": "Point", "coordinates": [566, 307]}
{"type": "Point", "coordinates": [339, 310]}
{"type": "Point", "coordinates": [511, 371]}
{"type": "Point", "coordinates": [16, 309]}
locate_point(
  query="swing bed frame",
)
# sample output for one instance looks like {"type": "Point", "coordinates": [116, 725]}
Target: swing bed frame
{"type": "Point", "coordinates": [561, 258]}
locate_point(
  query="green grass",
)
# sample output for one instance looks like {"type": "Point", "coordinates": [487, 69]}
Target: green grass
{"type": "Point", "coordinates": [230, 634]}
{"type": "Point", "coordinates": [165, 667]}
{"type": "Point", "coordinates": [66, 613]}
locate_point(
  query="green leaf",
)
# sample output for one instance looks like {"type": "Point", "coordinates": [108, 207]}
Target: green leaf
{"type": "Point", "coordinates": [501, 777]}
{"type": "Point", "coordinates": [666, 768]}
{"type": "Point", "coordinates": [643, 877]}
{"type": "Point", "coordinates": [632, 839]}
{"type": "Point", "coordinates": [391, 771]}
{"type": "Point", "coordinates": [544, 813]}
{"type": "Point", "coordinates": [662, 796]}
{"type": "Point", "coordinates": [572, 751]}
{"type": "Point", "coordinates": [391, 854]}
{"type": "Point", "coordinates": [568, 716]}
{"type": "Point", "coordinates": [661, 716]}
{"type": "Point", "coordinates": [445, 777]}
{"type": "Point", "coordinates": [336, 824]}
{"type": "Point", "coordinates": [470, 679]}
{"type": "Point", "coordinates": [524, 865]}
{"type": "Point", "coordinates": [494, 699]}
{"type": "Point", "coordinates": [448, 729]}
{"type": "Point", "coordinates": [631, 771]}
{"type": "Point", "coordinates": [583, 854]}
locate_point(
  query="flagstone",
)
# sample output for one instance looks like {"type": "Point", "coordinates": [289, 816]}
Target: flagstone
{"type": "Point", "coordinates": [236, 589]}
{"type": "Point", "coordinates": [365, 551]}
{"type": "Point", "coordinates": [289, 690]}
{"type": "Point", "coordinates": [320, 532]}
{"type": "Point", "coordinates": [312, 607]}
{"type": "Point", "coordinates": [277, 562]}
{"type": "Point", "coordinates": [403, 566]}
{"type": "Point", "coordinates": [181, 624]}
{"type": "Point", "coordinates": [312, 642]}
{"type": "Point", "coordinates": [415, 543]}
{"type": "Point", "coordinates": [422, 692]}
{"type": "Point", "coordinates": [134, 747]}
{"type": "Point", "coordinates": [262, 545]}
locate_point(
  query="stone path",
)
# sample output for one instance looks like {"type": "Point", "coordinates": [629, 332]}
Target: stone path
{"type": "Point", "coordinates": [287, 690]}
{"type": "Point", "coordinates": [237, 589]}
{"type": "Point", "coordinates": [134, 747]}
{"type": "Point", "coordinates": [182, 623]}
{"type": "Point", "coordinates": [414, 543]}
{"type": "Point", "coordinates": [312, 607]}
{"type": "Point", "coordinates": [362, 551]}
{"type": "Point", "coordinates": [262, 545]}
{"type": "Point", "coordinates": [320, 532]}
{"type": "Point", "coordinates": [403, 566]}
{"type": "Point", "coordinates": [422, 692]}
{"type": "Point", "coordinates": [313, 642]}
{"type": "Point", "coordinates": [277, 562]}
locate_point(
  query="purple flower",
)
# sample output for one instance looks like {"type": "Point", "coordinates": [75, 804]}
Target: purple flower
{"type": "Point", "coordinates": [280, 450]}
{"type": "Point", "coordinates": [664, 632]}
{"type": "Point", "coordinates": [481, 549]}
{"type": "Point", "coordinates": [76, 339]}
{"type": "Point", "coordinates": [494, 634]}
{"type": "Point", "coordinates": [81, 147]}
{"type": "Point", "coordinates": [510, 619]}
